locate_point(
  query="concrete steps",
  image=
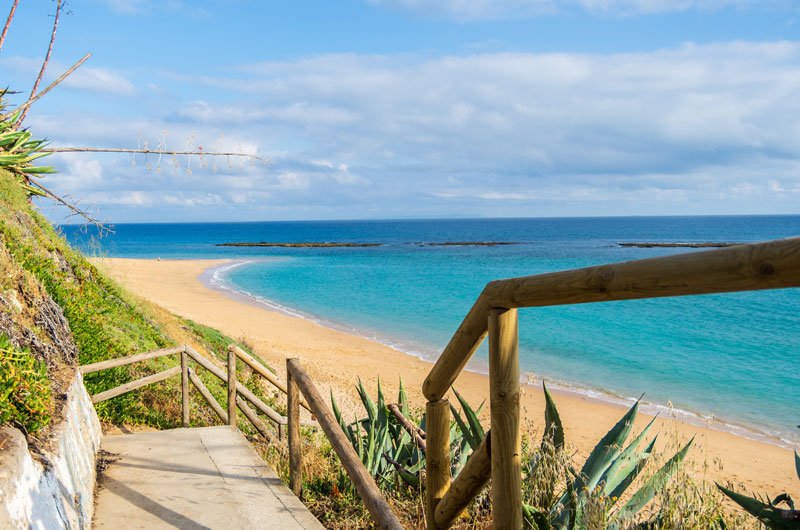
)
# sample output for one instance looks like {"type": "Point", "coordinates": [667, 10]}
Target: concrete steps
{"type": "Point", "coordinates": [193, 479]}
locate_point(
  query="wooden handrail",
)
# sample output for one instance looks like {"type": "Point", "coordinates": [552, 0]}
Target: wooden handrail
{"type": "Point", "coordinates": [250, 361]}
{"type": "Point", "coordinates": [240, 388]}
{"type": "Point", "coordinates": [770, 265]}
{"type": "Point", "coordinates": [365, 485]}
{"type": "Point", "coordinates": [123, 361]}
{"type": "Point", "coordinates": [208, 396]}
{"type": "Point", "coordinates": [229, 377]}
{"type": "Point", "coordinates": [133, 385]}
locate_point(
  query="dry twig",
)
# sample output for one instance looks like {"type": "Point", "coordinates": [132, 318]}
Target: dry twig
{"type": "Point", "coordinates": [8, 23]}
{"type": "Point", "coordinates": [147, 152]}
{"type": "Point", "coordinates": [25, 106]}
{"type": "Point", "coordinates": [59, 7]}
{"type": "Point", "coordinates": [73, 207]}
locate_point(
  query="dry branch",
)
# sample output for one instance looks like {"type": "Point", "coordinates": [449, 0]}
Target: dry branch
{"type": "Point", "coordinates": [73, 207]}
{"type": "Point", "coordinates": [416, 433]}
{"type": "Point", "coordinates": [59, 7]}
{"type": "Point", "coordinates": [148, 152]}
{"type": "Point", "coordinates": [51, 86]}
{"type": "Point", "coordinates": [8, 23]}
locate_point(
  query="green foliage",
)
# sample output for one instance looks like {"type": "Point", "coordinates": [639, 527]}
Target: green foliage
{"type": "Point", "coordinates": [388, 451]}
{"type": "Point", "coordinates": [592, 493]}
{"type": "Point", "coordinates": [105, 324]}
{"type": "Point", "coordinates": [18, 150]}
{"type": "Point", "coordinates": [25, 396]}
{"type": "Point", "coordinates": [770, 512]}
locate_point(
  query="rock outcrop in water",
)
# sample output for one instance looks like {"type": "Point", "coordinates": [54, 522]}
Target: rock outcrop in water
{"type": "Point", "coordinates": [297, 245]}
{"type": "Point", "coordinates": [706, 244]}
{"type": "Point", "coordinates": [468, 244]}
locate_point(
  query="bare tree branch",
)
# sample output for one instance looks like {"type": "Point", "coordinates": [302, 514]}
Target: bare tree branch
{"type": "Point", "coordinates": [8, 23]}
{"type": "Point", "coordinates": [59, 6]}
{"type": "Point", "coordinates": [147, 151]}
{"type": "Point", "coordinates": [25, 106]}
{"type": "Point", "coordinates": [73, 207]}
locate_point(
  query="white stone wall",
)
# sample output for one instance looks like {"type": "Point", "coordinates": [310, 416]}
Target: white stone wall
{"type": "Point", "coordinates": [55, 491]}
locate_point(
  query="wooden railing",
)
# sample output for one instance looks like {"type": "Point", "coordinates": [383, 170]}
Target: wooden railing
{"type": "Point", "coordinates": [770, 265]}
{"type": "Point", "coordinates": [298, 382]}
{"type": "Point", "coordinates": [238, 396]}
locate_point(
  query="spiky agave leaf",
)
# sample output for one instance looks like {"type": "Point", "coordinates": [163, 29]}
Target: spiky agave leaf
{"type": "Point", "coordinates": [596, 464]}
{"type": "Point", "coordinates": [337, 413]}
{"type": "Point", "coordinates": [657, 482]}
{"type": "Point", "coordinates": [369, 405]}
{"type": "Point", "coordinates": [797, 463]}
{"type": "Point", "coordinates": [624, 469]}
{"type": "Point", "coordinates": [476, 433]}
{"type": "Point", "coordinates": [552, 420]}
{"type": "Point", "coordinates": [772, 516]}
{"type": "Point", "coordinates": [615, 491]}
{"type": "Point", "coordinates": [606, 450]}
{"type": "Point", "coordinates": [402, 399]}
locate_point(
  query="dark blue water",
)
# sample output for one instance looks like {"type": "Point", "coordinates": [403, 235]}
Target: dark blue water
{"type": "Point", "coordinates": [733, 357]}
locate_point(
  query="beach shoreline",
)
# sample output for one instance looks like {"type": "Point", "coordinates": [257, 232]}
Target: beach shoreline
{"type": "Point", "coordinates": [214, 279]}
{"type": "Point", "coordinates": [336, 358]}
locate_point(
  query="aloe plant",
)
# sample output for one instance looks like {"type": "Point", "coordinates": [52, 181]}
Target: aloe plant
{"type": "Point", "coordinates": [608, 472]}
{"type": "Point", "coordinates": [388, 451]}
{"type": "Point", "coordinates": [18, 150]}
{"type": "Point", "coordinates": [770, 512]}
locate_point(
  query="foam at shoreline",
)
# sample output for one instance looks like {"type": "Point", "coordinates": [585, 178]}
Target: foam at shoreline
{"type": "Point", "coordinates": [215, 278]}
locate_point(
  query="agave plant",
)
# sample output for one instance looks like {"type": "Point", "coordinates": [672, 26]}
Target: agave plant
{"type": "Point", "coordinates": [769, 512]}
{"type": "Point", "coordinates": [18, 149]}
{"type": "Point", "coordinates": [466, 434]}
{"type": "Point", "coordinates": [388, 451]}
{"type": "Point", "coordinates": [607, 473]}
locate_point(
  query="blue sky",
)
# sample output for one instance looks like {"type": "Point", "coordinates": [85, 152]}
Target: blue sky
{"type": "Point", "coordinates": [412, 108]}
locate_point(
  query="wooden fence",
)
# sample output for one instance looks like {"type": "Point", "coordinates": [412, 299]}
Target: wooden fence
{"type": "Point", "coordinates": [239, 397]}
{"type": "Point", "coordinates": [770, 265]}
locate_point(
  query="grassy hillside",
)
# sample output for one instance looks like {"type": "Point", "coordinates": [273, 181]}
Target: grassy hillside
{"type": "Point", "coordinates": [105, 321]}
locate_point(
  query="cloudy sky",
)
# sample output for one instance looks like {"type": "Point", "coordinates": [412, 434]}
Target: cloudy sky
{"type": "Point", "coordinates": [420, 108]}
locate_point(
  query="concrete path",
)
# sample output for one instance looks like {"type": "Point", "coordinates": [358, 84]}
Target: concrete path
{"type": "Point", "coordinates": [193, 479]}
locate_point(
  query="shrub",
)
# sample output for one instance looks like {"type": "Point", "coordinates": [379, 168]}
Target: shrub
{"type": "Point", "coordinates": [25, 397]}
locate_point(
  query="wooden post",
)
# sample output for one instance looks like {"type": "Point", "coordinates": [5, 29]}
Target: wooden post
{"type": "Point", "coordinates": [231, 388]}
{"type": "Point", "coordinates": [437, 456]}
{"type": "Point", "coordinates": [263, 371]}
{"type": "Point", "coordinates": [295, 447]}
{"type": "Point", "coordinates": [467, 485]}
{"type": "Point", "coordinates": [185, 388]}
{"type": "Point", "coordinates": [504, 410]}
{"type": "Point", "coordinates": [362, 480]}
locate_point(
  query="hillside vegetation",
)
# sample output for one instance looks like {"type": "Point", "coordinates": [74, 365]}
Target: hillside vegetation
{"type": "Point", "coordinates": [58, 311]}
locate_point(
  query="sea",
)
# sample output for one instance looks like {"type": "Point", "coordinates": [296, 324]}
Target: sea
{"type": "Point", "coordinates": [730, 361]}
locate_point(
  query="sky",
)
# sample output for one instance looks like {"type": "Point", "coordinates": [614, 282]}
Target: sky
{"type": "Point", "coordinates": [376, 109]}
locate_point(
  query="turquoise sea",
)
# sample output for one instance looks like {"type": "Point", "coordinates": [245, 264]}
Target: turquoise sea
{"type": "Point", "coordinates": [731, 360]}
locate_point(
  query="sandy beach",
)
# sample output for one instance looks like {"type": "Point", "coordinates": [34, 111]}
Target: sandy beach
{"type": "Point", "coordinates": [336, 360]}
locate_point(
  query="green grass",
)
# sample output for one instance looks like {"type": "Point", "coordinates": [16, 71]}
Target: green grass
{"type": "Point", "coordinates": [25, 395]}
{"type": "Point", "coordinates": [104, 323]}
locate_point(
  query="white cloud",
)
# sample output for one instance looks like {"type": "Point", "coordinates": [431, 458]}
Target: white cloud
{"type": "Point", "coordinates": [498, 9]}
{"type": "Point", "coordinates": [100, 80]}
{"type": "Point", "coordinates": [694, 129]}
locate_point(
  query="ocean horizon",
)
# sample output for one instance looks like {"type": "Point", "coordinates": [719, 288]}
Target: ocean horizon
{"type": "Point", "coordinates": [721, 360]}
